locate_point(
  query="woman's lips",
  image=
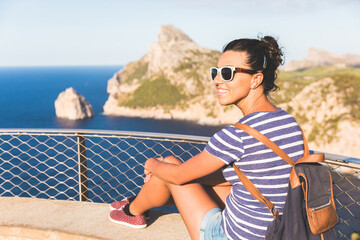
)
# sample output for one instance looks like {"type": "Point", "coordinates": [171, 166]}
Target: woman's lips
{"type": "Point", "coordinates": [221, 92]}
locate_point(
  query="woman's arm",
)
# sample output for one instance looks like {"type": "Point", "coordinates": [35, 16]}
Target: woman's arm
{"type": "Point", "coordinates": [215, 179]}
{"type": "Point", "coordinates": [179, 173]}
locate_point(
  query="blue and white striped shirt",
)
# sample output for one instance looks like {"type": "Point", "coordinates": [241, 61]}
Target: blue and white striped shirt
{"type": "Point", "coordinates": [245, 217]}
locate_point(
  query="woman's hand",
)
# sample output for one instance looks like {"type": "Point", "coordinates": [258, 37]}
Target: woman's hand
{"type": "Point", "coordinates": [147, 177]}
{"type": "Point", "coordinates": [148, 173]}
{"type": "Point", "coordinates": [172, 170]}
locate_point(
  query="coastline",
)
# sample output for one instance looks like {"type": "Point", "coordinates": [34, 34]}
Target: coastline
{"type": "Point", "coordinates": [195, 112]}
{"type": "Point", "coordinates": [198, 114]}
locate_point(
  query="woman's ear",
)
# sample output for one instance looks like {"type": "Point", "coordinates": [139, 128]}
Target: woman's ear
{"type": "Point", "coordinates": [256, 80]}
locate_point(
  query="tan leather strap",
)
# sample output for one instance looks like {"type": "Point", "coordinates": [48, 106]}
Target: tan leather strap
{"type": "Point", "coordinates": [255, 191]}
{"type": "Point", "coordinates": [294, 181]}
{"type": "Point", "coordinates": [313, 158]}
{"type": "Point", "coordinates": [270, 144]}
{"type": "Point", "coordinates": [306, 146]}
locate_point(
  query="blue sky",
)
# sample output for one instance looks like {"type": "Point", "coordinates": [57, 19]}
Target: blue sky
{"type": "Point", "coordinates": [109, 32]}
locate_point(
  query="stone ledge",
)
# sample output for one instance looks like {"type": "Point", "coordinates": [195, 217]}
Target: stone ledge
{"type": "Point", "coordinates": [17, 233]}
{"type": "Point", "coordinates": [31, 218]}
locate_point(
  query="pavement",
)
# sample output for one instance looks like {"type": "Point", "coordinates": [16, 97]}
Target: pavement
{"type": "Point", "coordinates": [31, 218]}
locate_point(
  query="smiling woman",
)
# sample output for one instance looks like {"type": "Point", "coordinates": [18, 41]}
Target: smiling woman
{"type": "Point", "coordinates": [253, 73]}
{"type": "Point", "coordinates": [211, 199]}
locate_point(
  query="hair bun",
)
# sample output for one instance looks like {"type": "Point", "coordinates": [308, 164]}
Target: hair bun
{"type": "Point", "coordinates": [272, 50]}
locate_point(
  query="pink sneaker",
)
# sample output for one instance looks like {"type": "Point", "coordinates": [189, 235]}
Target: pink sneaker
{"type": "Point", "coordinates": [119, 216]}
{"type": "Point", "coordinates": [118, 204]}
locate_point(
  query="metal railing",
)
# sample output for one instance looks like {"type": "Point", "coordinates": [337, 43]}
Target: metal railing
{"type": "Point", "coordinates": [104, 166]}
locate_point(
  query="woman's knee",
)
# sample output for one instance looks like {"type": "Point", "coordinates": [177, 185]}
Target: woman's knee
{"type": "Point", "coordinates": [172, 159]}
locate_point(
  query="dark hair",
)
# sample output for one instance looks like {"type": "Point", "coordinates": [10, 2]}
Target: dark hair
{"type": "Point", "coordinates": [264, 55]}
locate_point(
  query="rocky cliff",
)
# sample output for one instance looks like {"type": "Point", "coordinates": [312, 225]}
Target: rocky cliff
{"type": "Point", "coordinates": [317, 57]}
{"type": "Point", "coordinates": [73, 106]}
{"type": "Point", "coordinates": [172, 81]}
{"type": "Point", "coordinates": [326, 118]}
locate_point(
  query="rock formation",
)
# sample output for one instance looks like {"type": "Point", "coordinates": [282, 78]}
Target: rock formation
{"type": "Point", "coordinates": [73, 106]}
{"type": "Point", "coordinates": [178, 65]}
{"type": "Point", "coordinates": [185, 65]}
{"type": "Point", "coordinates": [323, 116]}
{"type": "Point", "coordinates": [168, 51]}
{"type": "Point", "coordinates": [316, 57]}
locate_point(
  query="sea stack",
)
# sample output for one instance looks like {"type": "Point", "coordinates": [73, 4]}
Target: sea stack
{"type": "Point", "coordinates": [71, 105]}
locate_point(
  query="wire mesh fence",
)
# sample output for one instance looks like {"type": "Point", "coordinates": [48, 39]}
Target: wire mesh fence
{"type": "Point", "coordinates": [90, 166]}
{"type": "Point", "coordinates": [346, 187]}
{"type": "Point", "coordinates": [104, 166]}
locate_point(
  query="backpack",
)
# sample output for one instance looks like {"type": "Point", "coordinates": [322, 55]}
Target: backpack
{"type": "Point", "coordinates": [309, 211]}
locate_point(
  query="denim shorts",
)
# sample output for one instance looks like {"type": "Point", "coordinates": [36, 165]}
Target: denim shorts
{"type": "Point", "coordinates": [211, 226]}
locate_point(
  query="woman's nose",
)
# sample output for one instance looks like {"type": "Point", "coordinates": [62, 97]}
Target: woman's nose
{"type": "Point", "coordinates": [217, 79]}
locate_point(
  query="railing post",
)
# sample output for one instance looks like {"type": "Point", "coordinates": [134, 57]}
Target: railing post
{"type": "Point", "coordinates": [83, 179]}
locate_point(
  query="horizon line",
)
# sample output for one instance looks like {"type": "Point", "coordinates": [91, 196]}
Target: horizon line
{"type": "Point", "coordinates": [80, 65]}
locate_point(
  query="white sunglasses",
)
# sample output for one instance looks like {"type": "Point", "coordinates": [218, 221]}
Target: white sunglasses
{"type": "Point", "coordinates": [227, 73]}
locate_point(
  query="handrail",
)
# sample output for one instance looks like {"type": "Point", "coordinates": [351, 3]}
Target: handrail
{"type": "Point", "coordinates": [103, 166]}
{"type": "Point", "coordinates": [75, 149]}
{"type": "Point", "coordinates": [110, 132]}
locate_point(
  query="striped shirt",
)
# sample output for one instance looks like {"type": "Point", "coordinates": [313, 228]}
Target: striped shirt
{"type": "Point", "coordinates": [244, 217]}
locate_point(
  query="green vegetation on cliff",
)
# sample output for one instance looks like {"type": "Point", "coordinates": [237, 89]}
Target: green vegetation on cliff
{"type": "Point", "coordinates": [134, 70]}
{"type": "Point", "coordinates": [193, 68]}
{"type": "Point", "coordinates": [317, 73]}
{"type": "Point", "coordinates": [324, 132]}
{"type": "Point", "coordinates": [189, 68]}
{"type": "Point", "coordinates": [157, 92]}
{"type": "Point", "coordinates": [292, 82]}
{"type": "Point", "coordinates": [349, 87]}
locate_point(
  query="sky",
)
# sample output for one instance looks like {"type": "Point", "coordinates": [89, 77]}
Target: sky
{"type": "Point", "coordinates": [116, 32]}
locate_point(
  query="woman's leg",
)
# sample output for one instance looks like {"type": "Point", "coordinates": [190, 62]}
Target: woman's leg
{"type": "Point", "coordinates": [218, 194]}
{"type": "Point", "coordinates": [216, 186]}
{"type": "Point", "coordinates": [154, 193]}
{"type": "Point", "coordinates": [191, 199]}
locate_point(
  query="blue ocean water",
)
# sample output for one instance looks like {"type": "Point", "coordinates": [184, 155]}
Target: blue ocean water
{"type": "Point", "coordinates": [27, 96]}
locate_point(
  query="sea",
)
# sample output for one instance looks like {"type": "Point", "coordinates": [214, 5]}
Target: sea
{"type": "Point", "coordinates": [27, 96]}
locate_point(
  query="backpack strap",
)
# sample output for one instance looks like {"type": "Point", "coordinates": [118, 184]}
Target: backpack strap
{"type": "Point", "coordinates": [294, 180]}
{"type": "Point", "coordinates": [270, 144]}
{"type": "Point", "coordinates": [255, 191]}
{"type": "Point", "coordinates": [320, 220]}
{"type": "Point", "coordinates": [252, 189]}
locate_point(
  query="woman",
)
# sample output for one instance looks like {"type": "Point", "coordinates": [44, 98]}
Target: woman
{"type": "Point", "coordinates": [245, 76]}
